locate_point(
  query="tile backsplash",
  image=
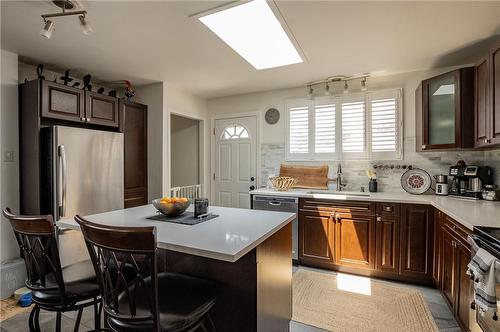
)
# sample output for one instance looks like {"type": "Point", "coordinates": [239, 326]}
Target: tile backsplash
{"type": "Point", "coordinates": [354, 175]}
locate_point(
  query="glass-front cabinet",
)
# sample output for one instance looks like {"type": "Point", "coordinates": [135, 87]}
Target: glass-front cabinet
{"type": "Point", "coordinates": [448, 110]}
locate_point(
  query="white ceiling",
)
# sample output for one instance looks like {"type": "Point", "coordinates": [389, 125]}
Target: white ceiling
{"type": "Point", "coordinates": [155, 41]}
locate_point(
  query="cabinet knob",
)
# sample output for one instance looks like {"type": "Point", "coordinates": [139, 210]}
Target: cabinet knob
{"type": "Point", "coordinates": [88, 119]}
{"type": "Point", "coordinates": [83, 119]}
{"type": "Point", "coordinates": [379, 219]}
{"type": "Point", "coordinates": [489, 140]}
{"type": "Point", "coordinates": [424, 147]}
{"type": "Point", "coordinates": [486, 141]}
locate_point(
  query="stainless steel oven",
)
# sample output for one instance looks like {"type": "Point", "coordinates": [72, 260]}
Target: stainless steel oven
{"type": "Point", "coordinates": [484, 237]}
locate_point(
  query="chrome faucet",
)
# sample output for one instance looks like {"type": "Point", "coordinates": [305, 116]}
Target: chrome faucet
{"type": "Point", "coordinates": [339, 183]}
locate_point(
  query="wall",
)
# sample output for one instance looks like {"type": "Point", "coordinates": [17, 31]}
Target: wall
{"type": "Point", "coordinates": [272, 149]}
{"type": "Point", "coordinates": [152, 95]}
{"type": "Point", "coordinates": [185, 154]}
{"type": "Point", "coordinates": [180, 102]}
{"type": "Point", "coordinates": [9, 138]}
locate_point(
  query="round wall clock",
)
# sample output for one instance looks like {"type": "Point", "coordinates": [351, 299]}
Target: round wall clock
{"type": "Point", "coordinates": [272, 116]}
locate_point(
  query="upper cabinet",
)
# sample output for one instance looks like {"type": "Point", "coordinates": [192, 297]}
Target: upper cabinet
{"type": "Point", "coordinates": [447, 111]}
{"type": "Point", "coordinates": [487, 101]}
{"type": "Point", "coordinates": [60, 102]}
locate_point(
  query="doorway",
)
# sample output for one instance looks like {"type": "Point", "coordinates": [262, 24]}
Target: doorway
{"type": "Point", "coordinates": [235, 160]}
{"type": "Point", "coordinates": [184, 151]}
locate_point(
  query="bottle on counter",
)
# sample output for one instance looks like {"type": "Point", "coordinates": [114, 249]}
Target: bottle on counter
{"type": "Point", "coordinates": [373, 185]}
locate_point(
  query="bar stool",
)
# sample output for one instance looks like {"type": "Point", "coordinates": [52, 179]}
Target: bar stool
{"type": "Point", "coordinates": [153, 301]}
{"type": "Point", "coordinates": [53, 288]}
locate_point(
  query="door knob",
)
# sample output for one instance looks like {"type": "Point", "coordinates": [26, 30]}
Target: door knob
{"type": "Point", "coordinates": [252, 187]}
{"type": "Point", "coordinates": [252, 179]}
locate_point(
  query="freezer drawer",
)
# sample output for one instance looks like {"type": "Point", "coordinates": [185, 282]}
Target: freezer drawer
{"type": "Point", "coordinates": [281, 204]}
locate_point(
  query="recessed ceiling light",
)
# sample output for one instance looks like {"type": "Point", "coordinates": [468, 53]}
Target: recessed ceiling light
{"type": "Point", "coordinates": [254, 32]}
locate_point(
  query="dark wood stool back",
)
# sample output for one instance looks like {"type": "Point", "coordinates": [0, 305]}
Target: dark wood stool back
{"type": "Point", "coordinates": [36, 237]}
{"type": "Point", "coordinates": [114, 251]}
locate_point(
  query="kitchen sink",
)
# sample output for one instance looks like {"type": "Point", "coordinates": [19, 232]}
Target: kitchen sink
{"type": "Point", "coordinates": [340, 193]}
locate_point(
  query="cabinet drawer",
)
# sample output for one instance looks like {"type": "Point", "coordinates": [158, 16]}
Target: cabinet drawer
{"type": "Point", "coordinates": [456, 229]}
{"type": "Point", "coordinates": [329, 206]}
{"type": "Point", "coordinates": [388, 209]}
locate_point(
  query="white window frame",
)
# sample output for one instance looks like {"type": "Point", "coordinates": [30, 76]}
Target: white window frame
{"type": "Point", "coordinates": [367, 97]}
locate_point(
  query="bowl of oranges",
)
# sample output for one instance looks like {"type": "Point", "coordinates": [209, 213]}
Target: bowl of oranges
{"type": "Point", "coordinates": [171, 206]}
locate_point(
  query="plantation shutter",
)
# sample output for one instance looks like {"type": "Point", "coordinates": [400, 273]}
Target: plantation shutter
{"type": "Point", "coordinates": [353, 127]}
{"type": "Point", "coordinates": [299, 130]}
{"type": "Point", "coordinates": [324, 125]}
{"type": "Point", "coordinates": [385, 125]}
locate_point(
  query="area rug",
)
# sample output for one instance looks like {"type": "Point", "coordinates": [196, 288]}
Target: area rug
{"type": "Point", "coordinates": [373, 306]}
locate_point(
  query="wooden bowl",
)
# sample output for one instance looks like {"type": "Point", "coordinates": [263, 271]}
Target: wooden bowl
{"type": "Point", "coordinates": [283, 183]}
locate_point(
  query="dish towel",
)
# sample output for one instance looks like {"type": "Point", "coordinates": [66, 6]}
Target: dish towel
{"type": "Point", "coordinates": [481, 269]}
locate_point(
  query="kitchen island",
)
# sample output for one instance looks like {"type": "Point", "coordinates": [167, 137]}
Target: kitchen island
{"type": "Point", "coordinates": [247, 252]}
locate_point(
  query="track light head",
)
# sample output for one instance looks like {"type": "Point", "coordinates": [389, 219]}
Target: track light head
{"type": "Point", "coordinates": [310, 93]}
{"type": "Point", "coordinates": [48, 28]}
{"type": "Point", "coordinates": [363, 84]}
{"type": "Point", "coordinates": [86, 28]}
{"type": "Point", "coordinates": [346, 87]}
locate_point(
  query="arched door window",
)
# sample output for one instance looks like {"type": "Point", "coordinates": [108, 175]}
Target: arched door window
{"type": "Point", "coordinates": [235, 131]}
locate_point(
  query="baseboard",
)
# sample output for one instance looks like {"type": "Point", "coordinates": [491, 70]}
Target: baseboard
{"type": "Point", "coordinates": [12, 277]}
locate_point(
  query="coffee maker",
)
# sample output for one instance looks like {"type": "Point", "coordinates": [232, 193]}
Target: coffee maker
{"type": "Point", "coordinates": [469, 181]}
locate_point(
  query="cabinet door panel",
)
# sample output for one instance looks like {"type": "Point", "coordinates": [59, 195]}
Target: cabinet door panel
{"type": "Point", "coordinates": [481, 109]}
{"type": "Point", "coordinates": [101, 110]}
{"type": "Point", "coordinates": [135, 154]}
{"type": "Point", "coordinates": [464, 286]}
{"type": "Point", "coordinates": [416, 240]}
{"type": "Point", "coordinates": [62, 102]}
{"type": "Point", "coordinates": [316, 238]}
{"type": "Point", "coordinates": [448, 258]}
{"type": "Point", "coordinates": [388, 245]}
{"type": "Point", "coordinates": [495, 114]}
{"type": "Point", "coordinates": [354, 241]}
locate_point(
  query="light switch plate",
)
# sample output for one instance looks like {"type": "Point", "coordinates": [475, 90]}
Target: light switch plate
{"type": "Point", "coordinates": [8, 156]}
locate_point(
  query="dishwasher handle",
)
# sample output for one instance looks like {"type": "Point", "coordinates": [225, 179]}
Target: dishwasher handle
{"type": "Point", "coordinates": [275, 203]}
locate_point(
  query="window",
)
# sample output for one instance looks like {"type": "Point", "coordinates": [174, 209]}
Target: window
{"type": "Point", "coordinates": [355, 126]}
{"type": "Point", "coordinates": [234, 132]}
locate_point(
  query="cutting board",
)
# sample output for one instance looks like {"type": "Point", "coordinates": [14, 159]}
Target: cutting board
{"type": "Point", "coordinates": [309, 177]}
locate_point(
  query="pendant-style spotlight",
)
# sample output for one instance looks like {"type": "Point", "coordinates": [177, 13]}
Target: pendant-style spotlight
{"type": "Point", "coordinates": [346, 87]}
{"type": "Point", "coordinates": [47, 30]}
{"type": "Point", "coordinates": [363, 84]}
{"type": "Point", "coordinates": [327, 89]}
{"type": "Point", "coordinates": [86, 28]}
{"type": "Point", "coordinates": [310, 93]}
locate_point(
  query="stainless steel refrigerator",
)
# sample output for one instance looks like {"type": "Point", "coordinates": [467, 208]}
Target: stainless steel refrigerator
{"type": "Point", "coordinates": [83, 174]}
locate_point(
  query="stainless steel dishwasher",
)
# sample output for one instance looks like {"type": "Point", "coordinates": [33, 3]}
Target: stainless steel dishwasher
{"type": "Point", "coordinates": [283, 204]}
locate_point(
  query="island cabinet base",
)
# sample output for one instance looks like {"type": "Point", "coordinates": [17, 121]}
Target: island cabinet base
{"type": "Point", "coordinates": [255, 292]}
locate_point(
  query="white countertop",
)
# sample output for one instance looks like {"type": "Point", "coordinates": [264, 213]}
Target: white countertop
{"type": "Point", "coordinates": [229, 237]}
{"type": "Point", "coordinates": [469, 213]}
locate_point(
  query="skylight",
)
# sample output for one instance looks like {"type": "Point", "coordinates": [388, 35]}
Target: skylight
{"type": "Point", "coordinates": [254, 32]}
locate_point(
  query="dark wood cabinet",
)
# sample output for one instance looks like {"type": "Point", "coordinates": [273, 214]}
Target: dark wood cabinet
{"type": "Point", "coordinates": [387, 237]}
{"type": "Point", "coordinates": [438, 224]}
{"type": "Point", "coordinates": [448, 110]}
{"type": "Point", "coordinates": [482, 107]}
{"type": "Point", "coordinates": [455, 255]}
{"type": "Point", "coordinates": [354, 240]}
{"type": "Point", "coordinates": [416, 240]}
{"type": "Point", "coordinates": [62, 102]}
{"type": "Point", "coordinates": [316, 238]}
{"type": "Point", "coordinates": [495, 94]}
{"type": "Point", "coordinates": [101, 109]}
{"type": "Point", "coordinates": [135, 154]}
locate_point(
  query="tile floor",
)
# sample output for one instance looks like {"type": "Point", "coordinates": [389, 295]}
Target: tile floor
{"type": "Point", "coordinates": [440, 311]}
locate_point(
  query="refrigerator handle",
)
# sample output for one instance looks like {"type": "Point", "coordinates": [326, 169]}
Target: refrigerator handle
{"type": "Point", "coordinates": [62, 202]}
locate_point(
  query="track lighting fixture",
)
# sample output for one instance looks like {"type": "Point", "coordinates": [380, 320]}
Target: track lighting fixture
{"type": "Point", "coordinates": [310, 93]}
{"type": "Point", "coordinates": [346, 87]}
{"type": "Point", "coordinates": [327, 89]}
{"type": "Point", "coordinates": [86, 28]}
{"type": "Point", "coordinates": [363, 84]}
{"type": "Point", "coordinates": [48, 27]}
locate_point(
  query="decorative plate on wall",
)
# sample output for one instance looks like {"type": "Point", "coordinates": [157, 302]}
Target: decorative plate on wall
{"type": "Point", "coordinates": [416, 181]}
{"type": "Point", "coordinates": [272, 116]}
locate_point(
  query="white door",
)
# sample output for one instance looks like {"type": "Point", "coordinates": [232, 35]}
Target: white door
{"type": "Point", "coordinates": [235, 161]}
